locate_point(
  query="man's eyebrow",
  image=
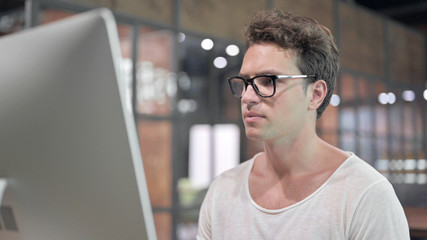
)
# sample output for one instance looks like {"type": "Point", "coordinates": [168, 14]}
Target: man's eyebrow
{"type": "Point", "coordinates": [268, 72]}
{"type": "Point", "coordinates": [272, 72]}
{"type": "Point", "coordinates": [243, 75]}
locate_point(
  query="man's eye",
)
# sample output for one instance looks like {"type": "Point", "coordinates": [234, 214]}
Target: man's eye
{"type": "Point", "coordinates": [264, 81]}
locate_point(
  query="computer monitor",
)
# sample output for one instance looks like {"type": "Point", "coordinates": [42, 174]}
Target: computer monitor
{"type": "Point", "coordinates": [69, 150]}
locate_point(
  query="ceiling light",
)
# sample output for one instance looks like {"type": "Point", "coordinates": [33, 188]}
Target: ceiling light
{"type": "Point", "coordinates": [207, 44]}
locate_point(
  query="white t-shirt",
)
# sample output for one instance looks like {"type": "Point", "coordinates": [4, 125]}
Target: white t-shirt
{"type": "Point", "coordinates": [356, 202]}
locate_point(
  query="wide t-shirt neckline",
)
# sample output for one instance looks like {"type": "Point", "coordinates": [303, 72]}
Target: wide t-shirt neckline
{"type": "Point", "coordinates": [280, 210]}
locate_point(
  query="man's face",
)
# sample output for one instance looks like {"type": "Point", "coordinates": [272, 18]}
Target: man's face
{"type": "Point", "coordinates": [284, 114]}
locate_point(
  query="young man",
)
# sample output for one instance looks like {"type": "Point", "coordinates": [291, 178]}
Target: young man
{"type": "Point", "coordinates": [300, 187]}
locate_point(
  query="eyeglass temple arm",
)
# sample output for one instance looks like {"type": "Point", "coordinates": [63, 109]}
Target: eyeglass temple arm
{"type": "Point", "coordinates": [295, 76]}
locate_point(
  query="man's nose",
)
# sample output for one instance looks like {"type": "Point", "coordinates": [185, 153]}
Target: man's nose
{"type": "Point", "coordinates": [250, 95]}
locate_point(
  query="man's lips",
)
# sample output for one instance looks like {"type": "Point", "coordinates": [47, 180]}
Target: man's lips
{"type": "Point", "coordinates": [252, 115]}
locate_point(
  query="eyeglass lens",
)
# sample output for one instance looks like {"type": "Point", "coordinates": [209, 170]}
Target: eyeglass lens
{"type": "Point", "coordinates": [263, 85]}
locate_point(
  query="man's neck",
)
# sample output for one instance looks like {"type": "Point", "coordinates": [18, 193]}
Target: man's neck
{"type": "Point", "coordinates": [293, 155]}
{"type": "Point", "coordinates": [288, 173]}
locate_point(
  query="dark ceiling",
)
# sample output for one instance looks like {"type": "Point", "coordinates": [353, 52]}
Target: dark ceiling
{"type": "Point", "coordinates": [10, 5]}
{"type": "Point", "coordinates": [408, 12]}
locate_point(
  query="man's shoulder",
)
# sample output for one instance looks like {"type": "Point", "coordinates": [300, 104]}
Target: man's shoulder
{"type": "Point", "coordinates": [358, 174]}
{"type": "Point", "coordinates": [240, 171]}
{"type": "Point", "coordinates": [234, 176]}
{"type": "Point", "coordinates": [362, 168]}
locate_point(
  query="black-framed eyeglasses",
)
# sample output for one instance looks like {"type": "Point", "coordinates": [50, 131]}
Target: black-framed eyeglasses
{"type": "Point", "coordinates": [264, 85]}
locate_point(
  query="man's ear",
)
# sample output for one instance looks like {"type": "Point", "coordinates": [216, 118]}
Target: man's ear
{"type": "Point", "coordinates": [318, 94]}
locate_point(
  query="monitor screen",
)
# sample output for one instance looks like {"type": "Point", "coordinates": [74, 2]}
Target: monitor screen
{"type": "Point", "coordinates": [69, 154]}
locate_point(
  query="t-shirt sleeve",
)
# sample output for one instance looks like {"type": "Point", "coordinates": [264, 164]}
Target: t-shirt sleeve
{"type": "Point", "coordinates": [379, 215]}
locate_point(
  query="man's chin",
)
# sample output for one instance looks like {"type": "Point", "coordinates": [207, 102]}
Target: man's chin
{"type": "Point", "coordinates": [253, 135]}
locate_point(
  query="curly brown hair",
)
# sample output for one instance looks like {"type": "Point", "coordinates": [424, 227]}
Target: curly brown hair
{"type": "Point", "coordinates": [312, 43]}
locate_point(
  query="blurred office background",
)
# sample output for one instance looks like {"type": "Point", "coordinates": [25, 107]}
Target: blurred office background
{"type": "Point", "coordinates": [177, 54]}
